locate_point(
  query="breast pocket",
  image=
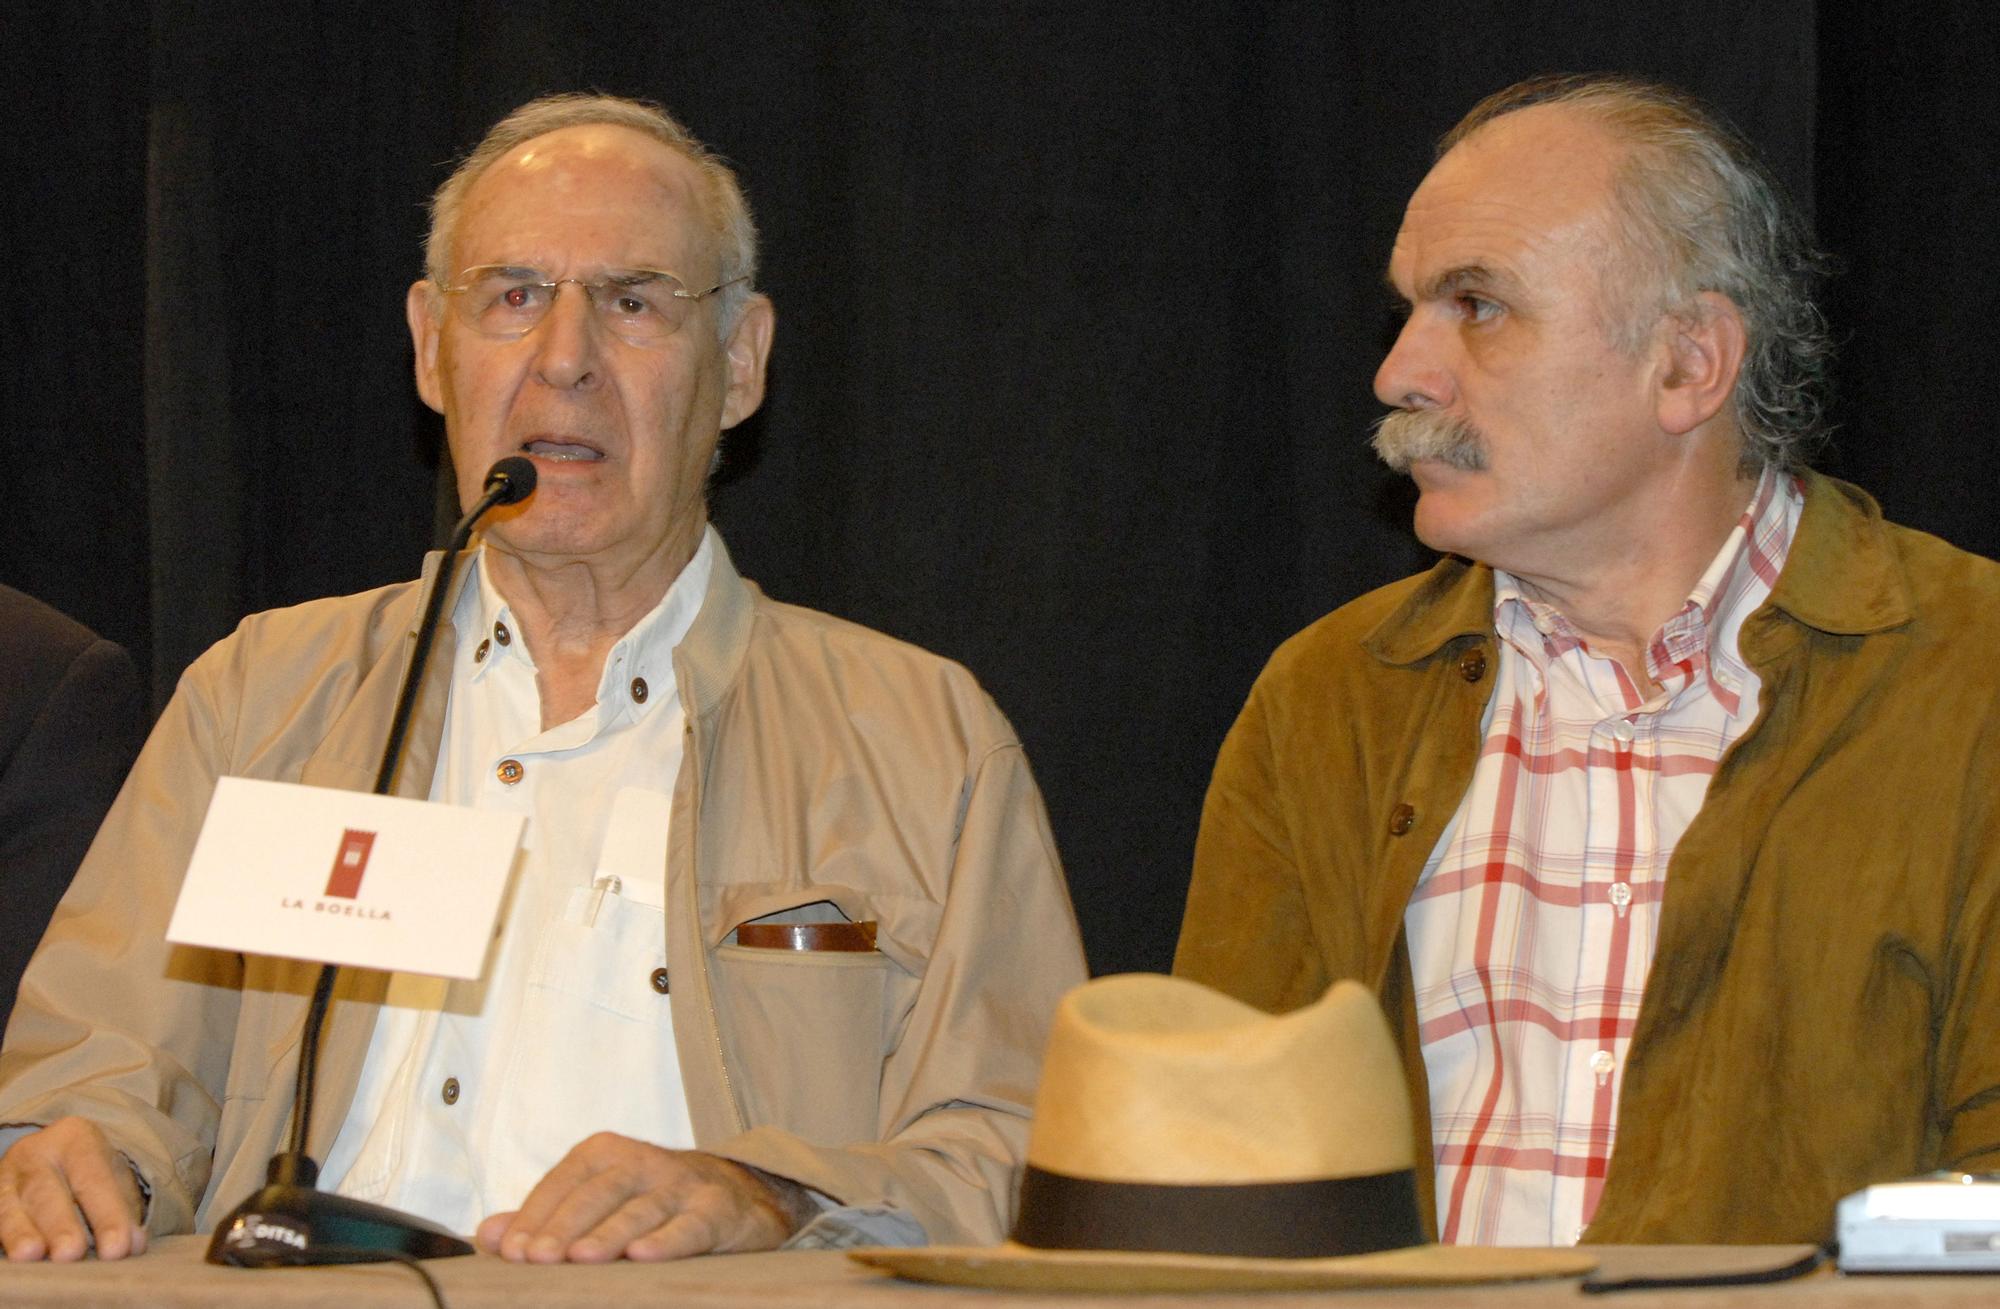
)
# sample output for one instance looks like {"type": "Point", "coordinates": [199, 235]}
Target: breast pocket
{"type": "Point", "coordinates": [603, 950]}
{"type": "Point", "coordinates": [805, 1032]}
{"type": "Point", "coordinates": [591, 987]}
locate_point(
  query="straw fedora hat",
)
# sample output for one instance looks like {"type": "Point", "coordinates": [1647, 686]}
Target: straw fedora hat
{"type": "Point", "coordinates": [1184, 1141]}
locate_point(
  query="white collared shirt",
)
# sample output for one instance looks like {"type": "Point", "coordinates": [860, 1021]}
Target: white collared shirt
{"type": "Point", "coordinates": [472, 1091]}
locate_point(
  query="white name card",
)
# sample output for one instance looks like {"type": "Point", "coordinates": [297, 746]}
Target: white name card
{"type": "Point", "coordinates": [341, 877]}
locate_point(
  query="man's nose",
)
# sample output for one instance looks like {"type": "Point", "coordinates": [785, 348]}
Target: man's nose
{"type": "Point", "coordinates": [566, 340]}
{"type": "Point", "coordinates": [1413, 374]}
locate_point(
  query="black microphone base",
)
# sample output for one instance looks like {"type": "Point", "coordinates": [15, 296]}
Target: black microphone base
{"type": "Point", "coordinates": [284, 1224]}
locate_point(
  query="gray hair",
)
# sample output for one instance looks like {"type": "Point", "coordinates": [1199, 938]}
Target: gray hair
{"type": "Point", "coordinates": [728, 211]}
{"type": "Point", "coordinates": [1702, 213]}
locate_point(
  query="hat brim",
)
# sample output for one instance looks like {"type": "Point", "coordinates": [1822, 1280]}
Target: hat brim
{"type": "Point", "coordinates": [1023, 1268]}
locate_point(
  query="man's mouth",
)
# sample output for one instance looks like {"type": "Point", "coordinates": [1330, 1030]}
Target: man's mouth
{"type": "Point", "coordinates": [562, 451]}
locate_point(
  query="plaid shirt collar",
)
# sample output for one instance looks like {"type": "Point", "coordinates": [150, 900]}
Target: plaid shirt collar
{"type": "Point", "coordinates": [1696, 648]}
{"type": "Point", "coordinates": [1849, 581]}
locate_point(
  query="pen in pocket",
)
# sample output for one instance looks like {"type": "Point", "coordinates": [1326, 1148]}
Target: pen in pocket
{"type": "Point", "coordinates": [606, 882]}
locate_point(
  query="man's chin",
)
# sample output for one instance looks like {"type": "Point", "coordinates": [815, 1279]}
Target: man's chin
{"type": "Point", "coordinates": [1443, 521]}
{"type": "Point", "coordinates": [544, 538]}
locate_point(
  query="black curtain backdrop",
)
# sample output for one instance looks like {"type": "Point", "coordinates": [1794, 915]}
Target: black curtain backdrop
{"type": "Point", "coordinates": [1078, 307]}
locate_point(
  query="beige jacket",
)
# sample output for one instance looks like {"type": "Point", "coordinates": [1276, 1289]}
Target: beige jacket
{"type": "Point", "coordinates": [828, 768]}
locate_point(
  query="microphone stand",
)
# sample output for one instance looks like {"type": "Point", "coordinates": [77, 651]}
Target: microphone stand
{"type": "Point", "coordinates": [289, 1221]}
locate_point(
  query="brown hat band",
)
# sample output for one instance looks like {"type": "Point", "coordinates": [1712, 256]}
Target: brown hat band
{"type": "Point", "coordinates": [1262, 1220]}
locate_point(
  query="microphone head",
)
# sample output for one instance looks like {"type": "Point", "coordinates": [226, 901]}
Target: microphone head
{"type": "Point", "coordinates": [514, 479]}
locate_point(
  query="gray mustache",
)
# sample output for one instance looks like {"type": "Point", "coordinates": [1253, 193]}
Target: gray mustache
{"type": "Point", "coordinates": [1407, 435]}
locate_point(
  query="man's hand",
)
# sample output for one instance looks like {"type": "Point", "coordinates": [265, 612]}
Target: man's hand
{"type": "Point", "coordinates": [58, 1180]}
{"type": "Point", "coordinates": [613, 1196]}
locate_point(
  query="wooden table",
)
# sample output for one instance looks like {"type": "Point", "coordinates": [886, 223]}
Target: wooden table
{"type": "Point", "coordinates": [173, 1274]}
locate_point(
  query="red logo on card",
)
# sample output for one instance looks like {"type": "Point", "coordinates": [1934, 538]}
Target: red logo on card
{"type": "Point", "coordinates": [350, 864]}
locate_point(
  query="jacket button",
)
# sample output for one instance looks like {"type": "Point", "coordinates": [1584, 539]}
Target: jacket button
{"type": "Point", "coordinates": [1472, 664]}
{"type": "Point", "coordinates": [639, 690]}
{"type": "Point", "coordinates": [479, 655]}
{"type": "Point", "coordinates": [510, 771]}
{"type": "Point", "coordinates": [659, 980]}
{"type": "Point", "coordinates": [502, 635]}
{"type": "Point", "coordinates": [1401, 819]}
{"type": "Point", "coordinates": [450, 1092]}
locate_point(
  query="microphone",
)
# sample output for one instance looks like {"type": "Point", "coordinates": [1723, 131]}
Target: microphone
{"type": "Point", "coordinates": [288, 1221]}
{"type": "Point", "coordinates": [508, 482]}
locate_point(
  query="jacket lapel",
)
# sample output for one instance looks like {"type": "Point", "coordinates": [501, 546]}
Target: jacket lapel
{"type": "Point", "coordinates": [1841, 579]}
{"type": "Point", "coordinates": [708, 665]}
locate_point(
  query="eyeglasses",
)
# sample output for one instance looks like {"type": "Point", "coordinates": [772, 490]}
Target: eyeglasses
{"type": "Point", "coordinates": [638, 304]}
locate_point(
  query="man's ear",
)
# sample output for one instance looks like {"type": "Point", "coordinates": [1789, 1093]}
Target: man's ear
{"type": "Point", "coordinates": [1705, 344]}
{"type": "Point", "coordinates": [748, 349]}
{"type": "Point", "coordinates": [423, 307]}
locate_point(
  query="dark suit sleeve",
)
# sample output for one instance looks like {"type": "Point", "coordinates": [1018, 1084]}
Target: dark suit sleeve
{"type": "Point", "coordinates": [54, 788]}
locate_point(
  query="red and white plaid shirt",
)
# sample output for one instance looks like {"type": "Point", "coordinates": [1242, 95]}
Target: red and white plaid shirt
{"type": "Point", "coordinates": [1532, 929]}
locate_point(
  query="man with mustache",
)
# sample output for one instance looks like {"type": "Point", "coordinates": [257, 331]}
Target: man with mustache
{"type": "Point", "coordinates": [705, 775]}
{"type": "Point", "coordinates": [1661, 812]}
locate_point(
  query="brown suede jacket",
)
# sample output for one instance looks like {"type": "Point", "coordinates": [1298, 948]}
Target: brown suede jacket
{"type": "Point", "coordinates": [1824, 998]}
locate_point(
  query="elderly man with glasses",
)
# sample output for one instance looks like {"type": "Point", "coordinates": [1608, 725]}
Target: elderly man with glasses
{"type": "Point", "coordinates": [704, 772]}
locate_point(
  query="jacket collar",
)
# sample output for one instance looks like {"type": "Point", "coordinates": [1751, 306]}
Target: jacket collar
{"type": "Point", "coordinates": [351, 750]}
{"type": "Point", "coordinates": [1454, 599]}
{"type": "Point", "coordinates": [706, 665]}
{"type": "Point", "coordinates": [711, 655]}
{"type": "Point", "coordinates": [1843, 576]}
{"type": "Point", "coordinates": [426, 731]}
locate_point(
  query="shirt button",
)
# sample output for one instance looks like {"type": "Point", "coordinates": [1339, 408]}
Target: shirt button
{"type": "Point", "coordinates": [502, 635]}
{"type": "Point", "coordinates": [450, 1092]}
{"type": "Point", "coordinates": [1472, 664]}
{"type": "Point", "coordinates": [639, 692]}
{"type": "Point", "coordinates": [659, 980]}
{"type": "Point", "coordinates": [1602, 1063]}
{"type": "Point", "coordinates": [1622, 730]}
{"type": "Point", "coordinates": [1401, 819]}
{"type": "Point", "coordinates": [479, 655]}
{"type": "Point", "coordinates": [510, 771]}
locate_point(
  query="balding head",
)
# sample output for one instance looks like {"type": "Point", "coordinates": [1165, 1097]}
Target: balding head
{"type": "Point", "coordinates": [1697, 212]}
{"type": "Point", "coordinates": [726, 210]}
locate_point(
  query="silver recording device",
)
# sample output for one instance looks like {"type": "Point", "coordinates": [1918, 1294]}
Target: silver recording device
{"type": "Point", "coordinates": [1940, 1223]}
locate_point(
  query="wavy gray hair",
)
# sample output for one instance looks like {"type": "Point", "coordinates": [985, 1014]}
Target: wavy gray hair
{"type": "Point", "coordinates": [728, 211]}
{"type": "Point", "coordinates": [1700, 212]}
